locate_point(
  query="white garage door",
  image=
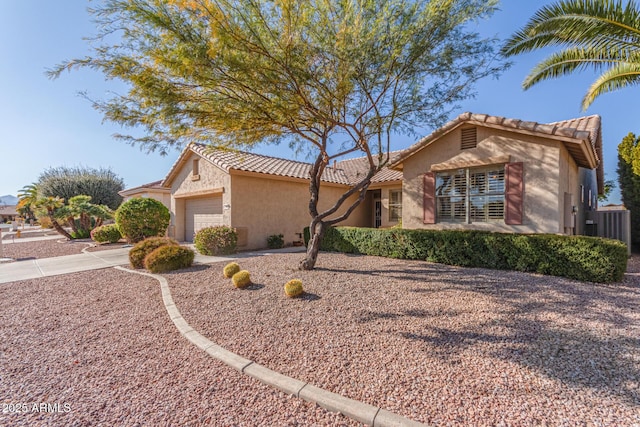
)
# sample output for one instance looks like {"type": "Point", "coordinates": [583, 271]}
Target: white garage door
{"type": "Point", "coordinates": [201, 212]}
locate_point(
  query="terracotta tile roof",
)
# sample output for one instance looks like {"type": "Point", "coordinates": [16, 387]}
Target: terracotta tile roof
{"type": "Point", "coordinates": [583, 128]}
{"type": "Point", "coordinates": [8, 210]}
{"type": "Point", "coordinates": [155, 185]}
{"type": "Point", "coordinates": [345, 172]}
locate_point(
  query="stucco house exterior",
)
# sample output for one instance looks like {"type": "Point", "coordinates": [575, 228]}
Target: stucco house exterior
{"type": "Point", "coordinates": [476, 172]}
{"type": "Point", "coordinates": [497, 174]}
{"type": "Point", "coordinates": [261, 196]}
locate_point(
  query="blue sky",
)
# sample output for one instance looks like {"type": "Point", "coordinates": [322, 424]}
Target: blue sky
{"type": "Point", "coordinates": [44, 123]}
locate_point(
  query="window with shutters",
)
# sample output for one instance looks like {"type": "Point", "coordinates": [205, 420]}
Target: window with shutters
{"type": "Point", "coordinates": [471, 195]}
{"type": "Point", "coordinates": [468, 138]}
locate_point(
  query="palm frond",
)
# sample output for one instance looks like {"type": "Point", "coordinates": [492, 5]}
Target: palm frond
{"type": "Point", "coordinates": [586, 23]}
{"type": "Point", "coordinates": [617, 77]}
{"type": "Point", "coordinates": [569, 60]}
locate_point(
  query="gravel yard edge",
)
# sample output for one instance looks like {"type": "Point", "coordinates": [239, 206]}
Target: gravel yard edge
{"type": "Point", "coordinates": [362, 412]}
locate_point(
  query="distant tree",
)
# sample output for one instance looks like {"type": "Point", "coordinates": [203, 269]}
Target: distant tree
{"type": "Point", "coordinates": [102, 185]}
{"type": "Point", "coordinates": [609, 185]}
{"type": "Point", "coordinates": [79, 214]}
{"type": "Point", "coordinates": [331, 77]}
{"type": "Point", "coordinates": [27, 196]}
{"type": "Point", "coordinates": [629, 181]}
{"type": "Point", "coordinates": [599, 34]}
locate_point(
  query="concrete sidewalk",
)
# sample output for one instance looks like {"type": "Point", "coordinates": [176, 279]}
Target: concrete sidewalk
{"type": "Point", "coordinates": [34, 268]}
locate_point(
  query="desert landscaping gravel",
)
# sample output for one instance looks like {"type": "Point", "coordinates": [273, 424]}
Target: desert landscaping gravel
{"type": "Point", "coordinates": [438, 344]}
{"type": "Point", "coordinates": [97, 348]}
{"type": "Point", "coordinates": [44, 248]}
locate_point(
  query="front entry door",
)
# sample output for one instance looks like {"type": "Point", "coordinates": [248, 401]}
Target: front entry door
{"type": "Point", "coordinates": [377, 215]}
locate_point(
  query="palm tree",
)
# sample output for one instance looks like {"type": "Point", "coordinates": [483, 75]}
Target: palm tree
{"type": "Point", "coordinates": [26, 199]}
{"type": "Point", "coordinates": [600, 34]}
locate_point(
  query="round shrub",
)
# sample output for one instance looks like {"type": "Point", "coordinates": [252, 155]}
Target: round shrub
{"type": "Point", "coordinates": [138, 253]}
{"type": "Point", "coordinates": [219, 240]}
{"type": "Point", "coordinates": [275, 241]}
{"type": "Point", "coordinates": [140, 218]}
{"type": "Point", "coordinates": [230, 269]}
{"type": "Point", "coordinates": [106, 233]}
{"type": "Point", "coordinates": [241, 279]}
{"type": "Point", "coordinates": [293, 288]}
{"type": "Point", "coordinates": [169, 258]}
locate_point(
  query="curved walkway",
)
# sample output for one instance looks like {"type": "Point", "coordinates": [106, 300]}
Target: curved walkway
{"type": "Point", "coordinates": [362, 412]}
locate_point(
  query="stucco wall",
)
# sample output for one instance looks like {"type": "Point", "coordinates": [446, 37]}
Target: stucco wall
{"type": "Point", "coordinates": [211, 179]}
{"type": "Point", "coordinates": [265, 206]}
{"type": "Point", "coordinates": [541, 160]}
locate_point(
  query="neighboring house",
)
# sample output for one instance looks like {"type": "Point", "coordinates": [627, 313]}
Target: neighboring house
{"type": "Point", "coordinates": [492, 173]}
{"type": "Point", "coordinates": [8, 213]}
{"type": "Point", "coordinates": [476, 172]}
{"type": "Point", "coordinates": [261, 196]}
{"type": "Point", "coordinates": [153, 190]}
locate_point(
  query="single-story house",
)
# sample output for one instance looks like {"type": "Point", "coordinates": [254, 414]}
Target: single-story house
{"type": "Point", "coordinates": [492, 173]}
{"type": "Point", "coordinates": [8, 213]}
{"type": "Point", "coordinates": [261, 196]}
{"type": "Point", "coordinates": [153, 190]}
{"type": "Point", "coordinates": [476, 172]}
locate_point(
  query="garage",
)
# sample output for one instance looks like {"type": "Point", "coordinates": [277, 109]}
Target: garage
{"type": "Point", "coordinates": [202, 212]}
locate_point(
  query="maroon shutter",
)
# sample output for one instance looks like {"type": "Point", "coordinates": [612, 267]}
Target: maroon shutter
{"type": "Point", "coordinates": [514, 193]}
{"type": "Point", "coordinates": [429, 198]}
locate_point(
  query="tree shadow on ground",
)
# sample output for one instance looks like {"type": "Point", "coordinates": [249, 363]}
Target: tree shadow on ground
{"type": "Point", "coordinates": [581, 334]}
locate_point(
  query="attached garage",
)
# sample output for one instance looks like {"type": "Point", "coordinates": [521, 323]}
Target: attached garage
{"type": "Point", "coordinates": [202, 212]}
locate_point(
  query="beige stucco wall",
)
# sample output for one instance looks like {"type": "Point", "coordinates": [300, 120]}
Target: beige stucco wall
{"type": "Point", "coordinates": [543, 197]}
{"type": "Point", "coordinates": [211, 181]}
{"type": "Point", "coordinates": [265, 205]}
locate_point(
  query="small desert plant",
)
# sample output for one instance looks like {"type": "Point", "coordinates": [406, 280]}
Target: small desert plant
{"type": "Point", "coordinates": [138, 253]}
{"type": "Point", "coordinates": [219, 240]}
{"type": "Point", "coordinates": [241, 279]}
{"type": "Point", "coordinates": [293, 288]}
{"type": "Point", "coordinates": [230, 269]}
{"type": "Point", "coordinates": [275, 241]}
{"type": "Point", "coordinates": [169, 258]}
{"type": "Point", "coordinates": [106, 233]}
{"type": "Point", "coordinates": [142, 217]}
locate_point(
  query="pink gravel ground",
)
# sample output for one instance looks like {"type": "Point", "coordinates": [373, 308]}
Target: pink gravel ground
{"type": "Point", "coordinates": [438, 344]}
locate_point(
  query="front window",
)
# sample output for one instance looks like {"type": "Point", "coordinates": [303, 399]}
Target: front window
{"type": "Point", "coordinates": [470, 195]}
{"type": "Point", "coordinates": [395, 205]}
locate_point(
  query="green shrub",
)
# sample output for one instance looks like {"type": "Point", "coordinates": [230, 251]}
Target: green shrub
{"type": "Point", "coordinates": [169, 258]}
{"type": "Point", "coordinates": [81, 234]}
{"type": "Point", "coordinates": [138, 253]}
{"type": "Point", "coordinates": [577, 257]}
{"type": "Point", "coordinates": [106, 233]}
{"type": "Point", "coordinates": [241, 279]}
{"type": "Point", "coordinates": [275, 241]}
{"type": "Point", "coordinates": [293, 288]}
{"type": "Point", "coordinates": [142, 217]}
{"type": "Point", "coordinates": [230, 269]}
{"type": "Point", "coordinates": [219, 240]}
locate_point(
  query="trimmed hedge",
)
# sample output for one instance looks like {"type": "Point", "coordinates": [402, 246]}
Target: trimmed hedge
{"type": "Point", "coordinates": [217, 240]}
{"type": "Point", "coordinates": [582, 258]}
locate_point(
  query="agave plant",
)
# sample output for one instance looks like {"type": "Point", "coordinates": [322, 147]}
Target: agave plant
{"type": "Point", "coordinates": [594, 34]}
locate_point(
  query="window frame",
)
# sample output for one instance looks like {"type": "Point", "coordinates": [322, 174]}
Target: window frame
{"type": "Point", "coordinates": [395, 206]}
{"type": "Point", "coordinates": [468, 195]}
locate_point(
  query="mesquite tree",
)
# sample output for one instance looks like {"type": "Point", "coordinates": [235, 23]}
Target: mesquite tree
{"type": "Point", "coordinates": [330, 77]}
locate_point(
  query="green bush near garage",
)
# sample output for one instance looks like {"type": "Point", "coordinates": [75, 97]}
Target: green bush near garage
{"type": "Point", "coordinates": [142, 217]}
{"type": "Point", "coordinates": [169, 258]}
{"type": "Point", "coordinates": [591, 259]}
{"type": "Point", "coordinates": [142, 249]}
{"type": "Point", "coordinates": [216, 240]}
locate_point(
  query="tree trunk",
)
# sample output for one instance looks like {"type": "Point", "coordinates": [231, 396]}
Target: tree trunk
{"type": "Point", "coordinates": [309, 262]}
{"type": "Point", "coordinates": [59, 229]}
